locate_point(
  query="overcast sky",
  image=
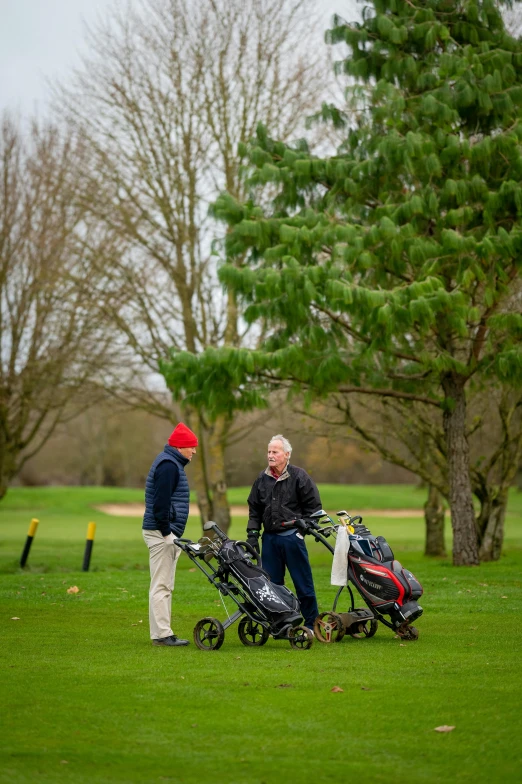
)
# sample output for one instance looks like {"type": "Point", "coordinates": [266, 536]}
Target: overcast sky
{"type": "Point", "coordinates": [41, 39]}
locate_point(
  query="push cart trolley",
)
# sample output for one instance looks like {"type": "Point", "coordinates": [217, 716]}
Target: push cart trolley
{"type": "Point", "coordinates": [385, 586]}
{"type": "Point", "coordinates": [264, 609]}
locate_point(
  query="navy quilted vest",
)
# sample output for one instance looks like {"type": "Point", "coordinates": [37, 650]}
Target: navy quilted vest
{"type": "Point", "coordinates": [179, 502]}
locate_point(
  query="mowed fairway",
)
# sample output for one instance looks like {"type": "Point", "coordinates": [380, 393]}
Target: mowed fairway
{"type": "Point", "coordinates": [86, 698]}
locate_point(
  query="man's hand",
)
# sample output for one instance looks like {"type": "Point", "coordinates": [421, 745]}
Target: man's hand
{"type": "Point", "coordinates": [169, 538]}
{"type": "Point", "coordinates": [253, 540]}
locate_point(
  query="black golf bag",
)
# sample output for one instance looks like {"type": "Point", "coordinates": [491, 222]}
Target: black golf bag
{"type": "Point", "coordinates": [275, 602]}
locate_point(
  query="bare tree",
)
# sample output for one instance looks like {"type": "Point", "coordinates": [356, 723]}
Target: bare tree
{"type": "Point", "coordinates": [53, 344]}
{"type": "Point", "coordinates": [164, 100]}
{"type": "Point", "coordinates": [411, 435]}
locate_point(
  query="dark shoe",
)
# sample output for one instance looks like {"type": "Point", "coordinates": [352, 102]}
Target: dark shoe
{"type": "Point", "coordinates": [170, 641]}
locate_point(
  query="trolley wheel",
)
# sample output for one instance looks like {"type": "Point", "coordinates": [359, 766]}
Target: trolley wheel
{"type": "Point", "coordinates": [329, 627]}
{"type": "Point", "coordinates": [364, 629]}
{"type": "Point", "coordinates": [251, 632]}
{"type": "Point", "coordinates": [209, 634]}
{"type": "Point", "coordinates": [301, 638]}
{"type": "Point", "coordinates": [407, 632]}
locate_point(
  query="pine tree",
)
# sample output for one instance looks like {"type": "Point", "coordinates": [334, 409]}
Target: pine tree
{"type": "Point", "coordinates": [393, 267]}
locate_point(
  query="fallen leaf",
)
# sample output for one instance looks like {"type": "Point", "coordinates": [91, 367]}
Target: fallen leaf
{"type": "Point", "coordinates": [140, 621]}
{"type": "Point", "coordinates": [503, 597]}
{"type": "Point", "coordinates": [182, 677]}
{"type": "Point", "coordinates": [134, 624]}
{"type": "Point", "coordinates": [43, 593]}
{"type": "Point", "coordinates": [73, 589]}
{"type": "Point", "coordinates": [473, 628]}
{"type": "Point", "coordinates": [444, 578]}
{"type": "Point", "coordinates": [193, 569]}
{"type": "Point", "coordinates": [365, 688]}
{"type": "Point", "coordinates": [64, 762]}
{"type": "Point", "coordinates": [238, 657]}
{"type": "Point", "coordinates": [15, 618]}
{"type": "Point", "coordinates": [286, 686]}
{"type": "Point", "coordinates": [336, 689]}
{"type": "Point", "coordinates": [193, 725]}
{"type": "Point", "coordinates": [246, 684]}
{"type": "Point", "coordinates": [444, 728]}
{"type": "Point", "coordinates": [402, 645]}
{"type": "Point", "coordinates": [484, 584]}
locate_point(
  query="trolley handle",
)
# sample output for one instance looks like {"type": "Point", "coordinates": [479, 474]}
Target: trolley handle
{"type": "Point", "coordinates": [304, 524]}
{"type": "Point", "coordinates": [320, 538]}
{"type": "Point", "coordinates": [311, 527]}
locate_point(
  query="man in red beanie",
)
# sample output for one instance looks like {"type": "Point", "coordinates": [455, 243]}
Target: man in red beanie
{"type": "Point", "coordinates": [166, 512]}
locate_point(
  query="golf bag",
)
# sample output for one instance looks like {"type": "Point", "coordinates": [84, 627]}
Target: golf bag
{"type": "Point", "coordinates": [275, 602]}
{"type": "Point", "coordinates": [384, 584]}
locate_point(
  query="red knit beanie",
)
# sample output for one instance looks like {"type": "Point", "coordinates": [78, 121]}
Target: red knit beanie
{"type": "Point", "coordinates": [183, 436]}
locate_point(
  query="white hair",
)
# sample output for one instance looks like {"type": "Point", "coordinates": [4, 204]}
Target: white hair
{"type": "Point", "coordinates": [287, 446]}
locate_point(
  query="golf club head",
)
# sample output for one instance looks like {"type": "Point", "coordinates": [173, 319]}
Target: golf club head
{"type": "Point", "coordinates": [208, 526]}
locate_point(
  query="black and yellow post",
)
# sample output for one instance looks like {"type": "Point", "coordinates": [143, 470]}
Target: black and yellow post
{"type": "Point", "coordinates": [91, 530]}
{"type": "Point", "coordinates": [33, 525]}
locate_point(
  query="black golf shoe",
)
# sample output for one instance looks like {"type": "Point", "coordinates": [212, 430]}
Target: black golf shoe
{"type": "Point", "coordinates": [170, 641]}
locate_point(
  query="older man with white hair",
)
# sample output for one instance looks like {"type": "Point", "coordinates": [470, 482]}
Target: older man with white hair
{"type": "Point", "coordinates": [284, 492]}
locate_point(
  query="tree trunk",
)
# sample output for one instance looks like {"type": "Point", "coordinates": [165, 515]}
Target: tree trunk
{"type": "Point", "coordinates": [7, 464]}
{"type": "Point", "coordinates": [434, 517]}
{"type": "Point", "coordinates": [465, 544]}
{"type": "Point", "coordinates": [215, 461]}
{"type": "Point", "coordinates": [491, 525]}
{"type": "Point", "coordinates": [209, 479]}
{"type": "Point", "coordinates": [3, 486]}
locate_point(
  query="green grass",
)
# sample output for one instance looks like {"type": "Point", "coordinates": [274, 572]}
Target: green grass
{"type": "Point", "coordinates": [353, 497]}
{"type": "Point", "coordinates": [86, 698]}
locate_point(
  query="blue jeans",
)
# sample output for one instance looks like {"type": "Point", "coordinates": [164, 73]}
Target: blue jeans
{"type": "Point", "coordinates": [280, 552]}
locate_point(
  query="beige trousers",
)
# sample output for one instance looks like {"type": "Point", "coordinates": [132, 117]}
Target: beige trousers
{"type": "Point", "coordinates": [163, 557]}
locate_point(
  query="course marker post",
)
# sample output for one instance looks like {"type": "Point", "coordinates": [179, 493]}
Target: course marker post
{"type": "Point", "coordinates": [33, 525]}
{"type": "Point", "coordinates": [91, 530]}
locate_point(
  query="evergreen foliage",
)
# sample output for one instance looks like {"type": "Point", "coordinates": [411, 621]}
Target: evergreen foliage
{"type": "Point", "coordinates": [395, 264]}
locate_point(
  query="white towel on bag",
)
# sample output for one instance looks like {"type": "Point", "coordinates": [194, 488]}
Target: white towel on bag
{"type": "Point", "coordinates": [340, 559]}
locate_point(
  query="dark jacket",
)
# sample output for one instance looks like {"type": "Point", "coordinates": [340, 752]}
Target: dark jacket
{"type": "Point", "coordinates": [273, 501]}
{"type": "Point", "coordinates": [167, 493]}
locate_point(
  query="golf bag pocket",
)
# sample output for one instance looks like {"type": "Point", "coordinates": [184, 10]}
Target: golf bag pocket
{"type": "Point", "coordinates": [273, 598]}
{"type": "Point", "coordinates": [413, 584]}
